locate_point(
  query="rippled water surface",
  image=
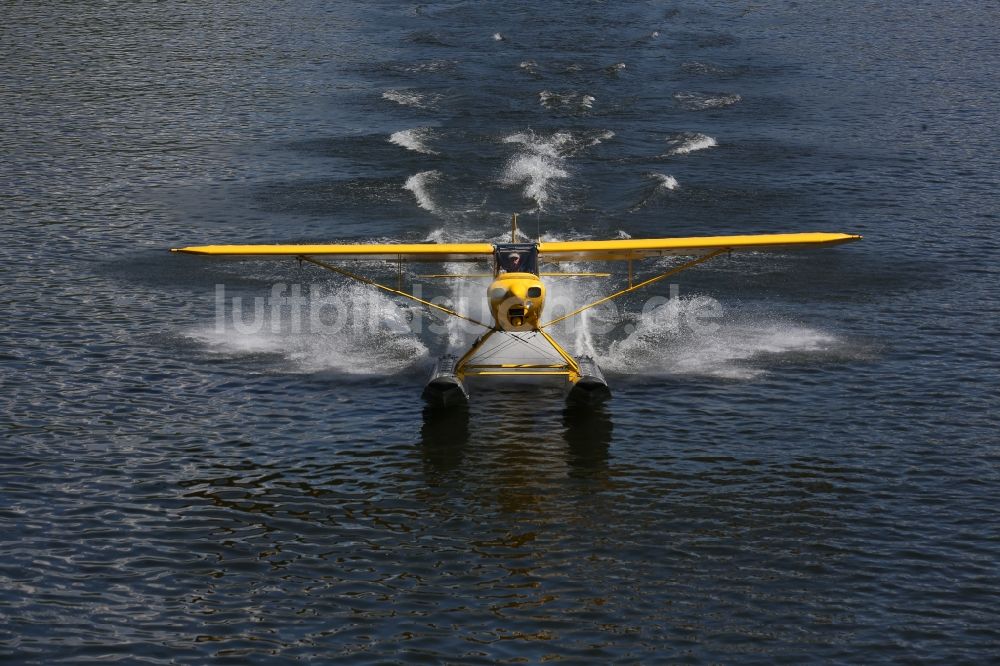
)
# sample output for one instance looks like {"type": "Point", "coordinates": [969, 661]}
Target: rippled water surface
{"type": "Point", "coordinates": [813, 477]}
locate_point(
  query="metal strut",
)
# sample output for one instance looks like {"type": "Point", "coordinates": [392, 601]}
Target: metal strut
{"type": "Point", "coordinates": [570, 361]}
{"type": "Point", "coordinates": [672, 271]}
{"type": "Point", "coordinates": [397, 292]}
{"type": "Point", "coordinates": [476, 346]}
{"type": "Point", "coordinates": [569, 368]}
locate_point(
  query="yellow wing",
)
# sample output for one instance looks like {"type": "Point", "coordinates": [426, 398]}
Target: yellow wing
{"type": "Point", "coordinates": [642, 248]}
{"type": "Point", "coordinates": [438, 252]}
{"type": "Point", "coordinates": [604, 250]}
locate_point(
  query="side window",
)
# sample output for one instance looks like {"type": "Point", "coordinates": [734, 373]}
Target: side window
{"type": "Point", "coordinates": [531, 261]}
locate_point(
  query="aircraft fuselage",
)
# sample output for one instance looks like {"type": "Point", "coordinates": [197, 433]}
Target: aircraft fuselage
{"type": "Point", "coordinates": [516, 295]}
{"type": "Point", "coordinates": [516, 301]}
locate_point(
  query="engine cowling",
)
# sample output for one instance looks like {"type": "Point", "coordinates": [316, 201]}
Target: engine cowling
{"type": "Point", "coordinates": [516, 301]}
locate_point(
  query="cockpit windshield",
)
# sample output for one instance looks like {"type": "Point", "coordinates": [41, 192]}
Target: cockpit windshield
{"type": "Point", "coordinates": [516, 258]}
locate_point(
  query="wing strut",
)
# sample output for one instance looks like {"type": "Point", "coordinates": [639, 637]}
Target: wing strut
{"type": "Point", "coordinates": [661, 276]}
{"type": "Point", "coordinates": [397, 292]}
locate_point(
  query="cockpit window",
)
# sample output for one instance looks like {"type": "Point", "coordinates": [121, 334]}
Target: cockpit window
{"type": "Point", "coordinates": [516, 258]}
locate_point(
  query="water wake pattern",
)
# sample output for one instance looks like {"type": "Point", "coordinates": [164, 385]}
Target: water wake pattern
{"type": "Point", "coordinates": [530, 67]}
{"type": "Point", "coordinates": [711, 69]}
{"type": "Point", "coordinates": [414, 139]}
{"type": "Point", "coordinates": [663, 185]}
{"type": "Point", "coordinates": [432, 66]}
{"type": "Point", "coordinates": [697, 101]}
{"type": "Point", "coordinates": [541, 160]}
{"type": "Point", "coordinates": [664, 182]}
{"type": "Point", "coordinates": [419, 184]}
{"type": "Point", "coordinates": [693, 336]}
{"type": "Point", "coordinates": [348, 329]}
{"type": "Point", "coordinates": [689, 142]}
{"type": "Point", "coordinates": [412, 98]}
{"type": "Point", "coordinates": [615, 69]}
{"type": "Point", "coordinates": [572, 102]}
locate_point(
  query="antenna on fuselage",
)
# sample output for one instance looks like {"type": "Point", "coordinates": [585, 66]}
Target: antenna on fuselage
{"type": "Point", "coordinates": [513, 228]}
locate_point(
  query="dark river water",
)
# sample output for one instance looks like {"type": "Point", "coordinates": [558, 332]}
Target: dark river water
{"type": "Point", "coordinates": [810, 474]}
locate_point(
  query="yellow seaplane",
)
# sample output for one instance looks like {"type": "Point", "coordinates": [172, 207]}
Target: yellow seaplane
{"type": "Point", "coordinates": [516, 295]}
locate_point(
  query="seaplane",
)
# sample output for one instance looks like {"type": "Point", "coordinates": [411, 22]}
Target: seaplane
{"type": "Point", "coordinates": [516, 293]}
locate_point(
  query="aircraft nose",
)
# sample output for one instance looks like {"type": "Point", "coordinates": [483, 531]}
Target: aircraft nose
{"type": "Point", "coordinates": [519, 291]}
